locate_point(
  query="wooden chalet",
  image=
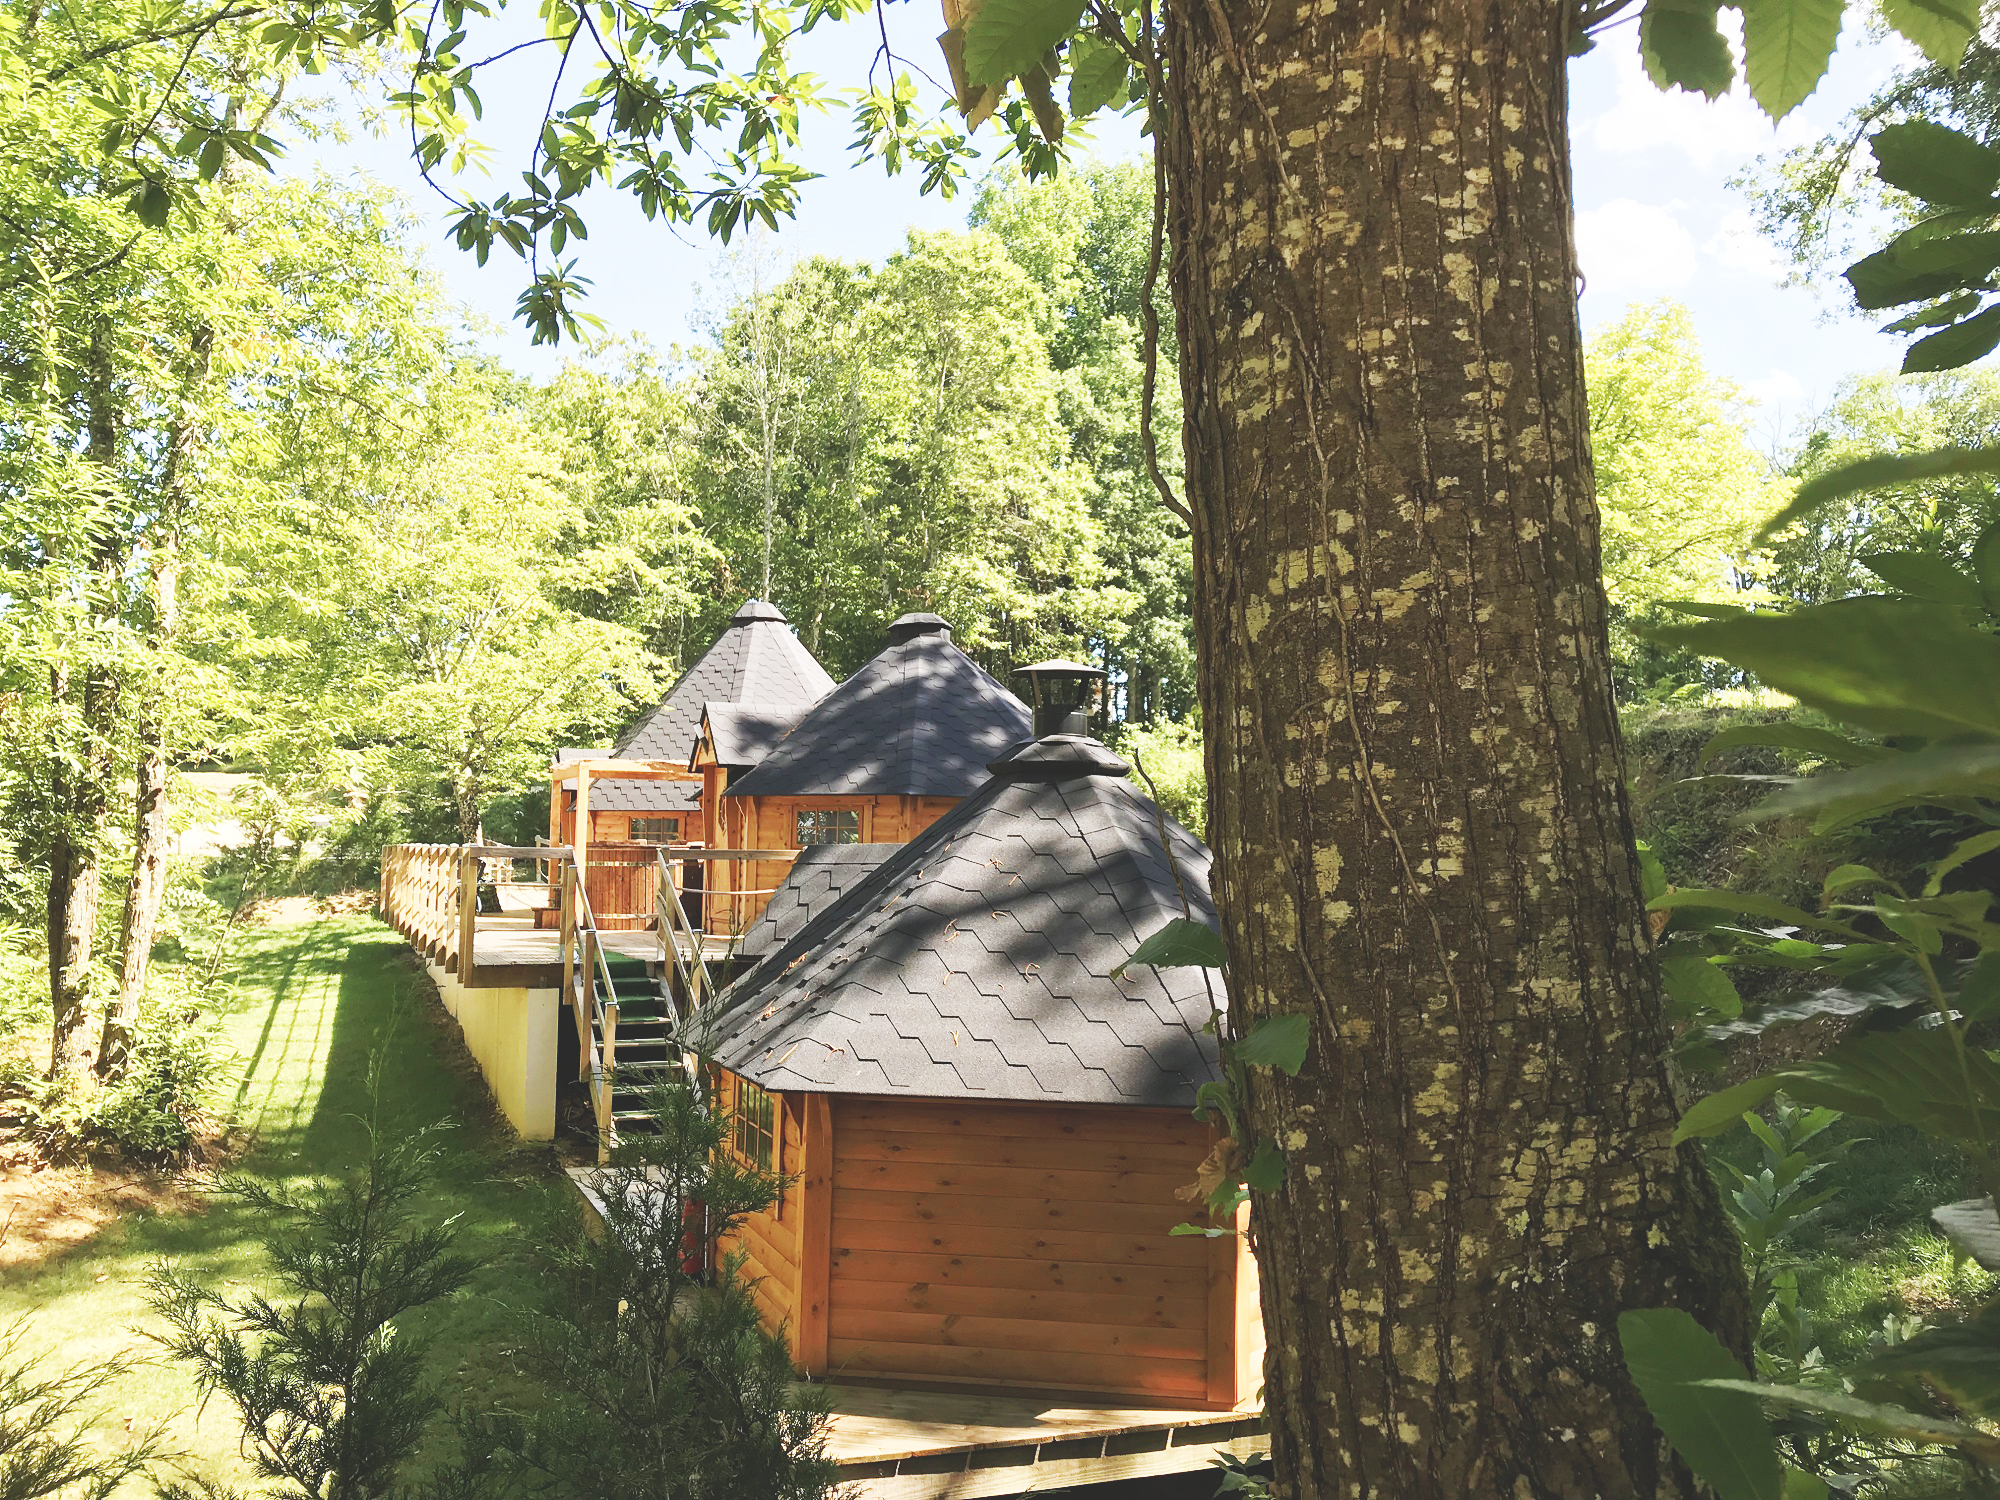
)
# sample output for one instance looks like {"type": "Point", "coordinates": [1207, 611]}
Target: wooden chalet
{"type": "Point", "coordinates": [616, 808]}
{"type": "Point", "coordinates": [879, 759]}
{"type": "Point", "coordinates": [984, 1129]}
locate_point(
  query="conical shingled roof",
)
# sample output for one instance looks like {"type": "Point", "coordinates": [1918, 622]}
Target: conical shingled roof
{"type": "Point", "coordinates": [922, 719]}
{"type": "Point", "coordinates": [756, 660]}
{"type": "Point", "coordinates": [975, 961]}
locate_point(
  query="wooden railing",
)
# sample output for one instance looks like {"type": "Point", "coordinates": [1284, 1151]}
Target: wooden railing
{"type": "Point", "coordinates": [430, 894]}
{"type": "Point", "coordinates": [695, 981]}
{"type": "Point", "coordinates": [419, 897]}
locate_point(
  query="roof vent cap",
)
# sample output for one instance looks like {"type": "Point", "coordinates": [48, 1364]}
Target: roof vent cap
{"type": "Point", "coordinates": [757, 609]}
{"type": "Point", "coordinates": [1057, 757]}
{"type": "Point", "coordinates": [909, 627]}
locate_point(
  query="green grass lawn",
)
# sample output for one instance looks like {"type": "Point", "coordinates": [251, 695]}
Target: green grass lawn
{"type": "Point", "coordinates": [308, 1006]}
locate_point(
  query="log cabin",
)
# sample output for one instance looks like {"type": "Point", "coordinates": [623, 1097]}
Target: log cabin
{"type": "Point", "coordinates": [646, 795]}
{"type": "Point", "coordinates": [879, 759]}
{"type": "Point", "coordinates": [982, 1130]}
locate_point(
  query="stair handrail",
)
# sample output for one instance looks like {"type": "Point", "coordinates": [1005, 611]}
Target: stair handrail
{"type": "Point", "coordinates": [593, 998]}
{"type": "Point", "coordinates": [671, 927]}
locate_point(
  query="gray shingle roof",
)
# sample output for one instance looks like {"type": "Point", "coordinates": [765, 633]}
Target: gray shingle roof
{"type": "Point", "coordinates": [742, 734]}
{"type": "Point", "coordinates": [975, 961]}
{"type": "Point", "coordinates": [922, 719]}
{"type": "Point", "coordinates": [820, 876]}
{"type": "Point", "coordinates": [756, 660]}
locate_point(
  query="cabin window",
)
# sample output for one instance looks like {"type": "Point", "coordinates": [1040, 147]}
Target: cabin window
{"type": "Point", "coordinates": [827, 825]}
{"type": "Point", "coordinates": [754, 1130]}
{"type": "Point", "coordinates": [654, 830]}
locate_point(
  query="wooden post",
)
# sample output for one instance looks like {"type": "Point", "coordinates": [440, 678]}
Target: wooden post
{"type": "Point", "coordinates": [581, 843]}
{"type": "Point", "coordinates": [468, 912]}
{"type": "Point", "coordinates": [815, 1289]}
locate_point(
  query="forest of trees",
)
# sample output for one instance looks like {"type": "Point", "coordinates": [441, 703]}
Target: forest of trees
{"type": "Point", "coordinates": [1385, 580]}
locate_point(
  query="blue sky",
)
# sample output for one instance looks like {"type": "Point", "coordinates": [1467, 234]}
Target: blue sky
{"type": "Point", "coordinates": [1655, 215]}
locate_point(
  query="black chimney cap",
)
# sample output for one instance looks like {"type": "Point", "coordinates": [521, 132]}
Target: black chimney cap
{"type": "Point", "coordinates": [909, 627]}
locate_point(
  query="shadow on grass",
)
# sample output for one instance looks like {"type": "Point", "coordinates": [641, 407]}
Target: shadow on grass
{"type": "Point", "coordinates": [308, 1006]}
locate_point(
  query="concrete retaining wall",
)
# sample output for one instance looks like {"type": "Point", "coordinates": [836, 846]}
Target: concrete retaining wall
{"type": "Point", "coordinates": [511, 1033]}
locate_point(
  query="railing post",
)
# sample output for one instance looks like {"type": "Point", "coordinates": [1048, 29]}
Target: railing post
{"type": "Point", "coordinates": [468, 912]}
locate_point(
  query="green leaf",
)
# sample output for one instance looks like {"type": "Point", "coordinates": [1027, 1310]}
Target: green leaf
{"type": "Point", "coordinates": [1986, 566]}
{"type": "Point", "coordinates": [1881, 472]}
{"type": "Point", "coordinates": [1752, 904]}
{"type": "Point", "coordinates": [1276, 1042]}
{"type": "Point", "coordinates": [1977, 996]}
{"type": "Point", "coordinates": [1937, 775]}
{"type": "Point", "coordinates": [1008, 37]}
{"type": "Point", "coordinates": [1972, 848]}
{"type": "Point", "coordinates": [1799, 1485]}
{"type": "Point", "coordinates": [1963, 1359]}
{"type": "Point", "coordinates": [1960, 344]}
{"type": "Point", "coordinates": [1682, 48]}
{"type": "Point", "coordinates": [1266, 1172]}
{"type": "Point", "coordinates": [152, 202]}
{"type": "Point", "coordinates": [1098, 74]}
{"type": "Point", "coordinates": [1974, 1227]}
{"type": "Point", "coordinates": [1938, 244]}
{"type": "Point", "coordinates": [1723, 1436]}
{"type": "Point", "coordinates": [1652, 874]}
{"type": "Point", "coordinates": [1846, 877]}
{"type": "Point", "coordinates": [1889, 666]}
{"type": "Point", "coordinates": [1892, 1420]}
{"type": "Point", "coordinates": [1940, 29]}
{"type": "Point", "coordinates": [1924, 575]}
{"type": "Point", "coordinates": [1882, 280]}
{"type": "Point", "coordinates": [1936, 163]}
{"type": "Point", "coordinates": [1181, 944]}
{"type": "Point", "coordinates": [1786, 47]}
{"type": "Point", "coordinates": [1698, 988]}
{"type": "Point", "coordinates": [1823, 743]}
{"type": "Point", "coordinates": [1917, 1077]}
{"type": "Point", "coordinates": [1724, 1111]}
{"type": "Point", "coordinates": [1948, 311]}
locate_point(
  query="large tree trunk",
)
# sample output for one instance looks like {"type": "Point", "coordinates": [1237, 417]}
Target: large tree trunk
{"type": "Point", "coordinates": [1417, 801]}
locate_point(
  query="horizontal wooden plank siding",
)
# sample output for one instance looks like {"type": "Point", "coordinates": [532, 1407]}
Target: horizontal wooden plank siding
{"type": "Point", "coordinates": [1018, 1245]}
{"type": "Point", "coordinates": [769, 1241]}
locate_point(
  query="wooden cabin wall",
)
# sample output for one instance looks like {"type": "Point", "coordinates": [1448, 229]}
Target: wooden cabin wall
{"type": "Point", "coordinates": [1027, 1245]}
{"type": "Point", "coordinates": [770, 1240]}
{"type": "Point", "coordinates": [772, 823]}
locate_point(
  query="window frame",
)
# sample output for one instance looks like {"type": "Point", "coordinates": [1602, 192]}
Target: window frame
{"type": "Point", "coordinates": [800, 815]}
{"type": "Point", "coordinates": [754, 1115]}
{"type": "Point", "coordinates": [634, 836]}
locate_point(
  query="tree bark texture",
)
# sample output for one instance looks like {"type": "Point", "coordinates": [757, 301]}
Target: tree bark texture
{"type": "Point", "coordinates": [1417, 802]}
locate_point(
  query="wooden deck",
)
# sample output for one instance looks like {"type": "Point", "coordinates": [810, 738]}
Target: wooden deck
{"type": "Point", "coordinates": [899, 1443]}
{"type": "Point", "coordinates": [509, 950]}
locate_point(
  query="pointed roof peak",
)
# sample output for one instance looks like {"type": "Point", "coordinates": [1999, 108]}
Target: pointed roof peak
{"type": "Point", "coordinates": [922, 719]}
{"type": "Point", "coordinates": [1058, 757]}
{"type": "Point", "coordinates": [757, 659]}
